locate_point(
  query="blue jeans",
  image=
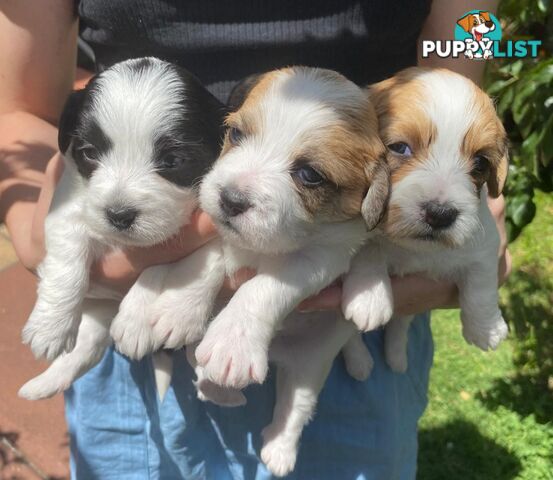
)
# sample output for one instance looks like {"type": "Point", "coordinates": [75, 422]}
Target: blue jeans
{"type": "Point", "coordinates": [121, 430]}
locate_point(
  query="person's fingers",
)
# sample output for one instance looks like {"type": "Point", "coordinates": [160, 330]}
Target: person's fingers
{"type": "Point", "coordinates": [329, 298]}
{"type": "Point", "coordinates": [192, 236]}
{"type": "Point", "coordinates": [505, 267]}
{"type": "Point", "coordinates": [120, 269]}
{"type": "Point", "coordinates": [415, 294]}
{"type": "Point", "coordinates": [497, 209]}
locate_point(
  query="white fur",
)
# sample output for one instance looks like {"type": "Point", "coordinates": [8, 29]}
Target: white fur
{"type": "Point", "coordinates": [471, 265]}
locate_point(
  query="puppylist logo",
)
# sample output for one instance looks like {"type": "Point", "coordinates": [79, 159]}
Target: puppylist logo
{"type": "Point", "coordinates": [478, 36]}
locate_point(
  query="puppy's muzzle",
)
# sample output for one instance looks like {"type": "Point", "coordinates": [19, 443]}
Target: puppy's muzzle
{"type": "Point", "coordinates": [121, 218]}
{"type": "Point", "coordinates": [233, 202]}
{"type": "Point", "coordinates": [439, 216]}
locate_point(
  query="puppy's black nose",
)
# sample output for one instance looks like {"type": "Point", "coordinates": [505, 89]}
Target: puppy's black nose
{"type": "Point", "coordinates": [439, 215]}
{"type": "Point", "coordinates": [489, 24]}
{"type": "Point", "coordinates": [121, 218]}
{"type": "Point", "coordinates": [234, 202]}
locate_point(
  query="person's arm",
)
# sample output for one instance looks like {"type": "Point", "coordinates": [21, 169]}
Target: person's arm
{"type": "Point", "coordinates": [38, 44]}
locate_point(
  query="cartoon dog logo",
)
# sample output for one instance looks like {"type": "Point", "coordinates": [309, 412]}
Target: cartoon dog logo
{"type": "Point", "coordinates": [478, 25]}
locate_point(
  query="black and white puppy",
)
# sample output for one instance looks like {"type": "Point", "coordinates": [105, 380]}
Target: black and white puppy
{"type": "Point", "coordinates": [136, 142]}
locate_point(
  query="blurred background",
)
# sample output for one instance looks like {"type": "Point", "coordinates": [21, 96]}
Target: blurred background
{"type": "Point", "coordinates": [490, 415]}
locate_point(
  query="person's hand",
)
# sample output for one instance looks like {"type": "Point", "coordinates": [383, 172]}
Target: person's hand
{"type": "Point", "coordinates": [118, 269]}
{"type": "Point", "coordinates": [415, 293]}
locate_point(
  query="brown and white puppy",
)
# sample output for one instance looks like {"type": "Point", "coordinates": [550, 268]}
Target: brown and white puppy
{"type": "Point", "coordinates": [301, 161]}
{"type": "Point", "coordinates": [447, 151]}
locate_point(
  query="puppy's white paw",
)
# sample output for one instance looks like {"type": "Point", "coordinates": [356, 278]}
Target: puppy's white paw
{"type": "Point", "coordinates": [231, 355]}
{"type": "Point", "coordinates": [131, 332]}
{"type": "Point", "coordinates": [397, 359]}
{"type": "Point", "coordinates": [278, 454]}
{"type": "Point", "coordinates": [361, 368]}
{"type": "Point", "coordinates": [224, 397]}
{"type": "Point", "coordinates": [484, 334]}
{"type": "Point", "coordinates": [368, 309]}
{"type": "Point", "coordinates": [50, 336]}
{"type": "Point", "coordinates": [176, 321]}
{"type": "Point", "coordinates": [44, 386]}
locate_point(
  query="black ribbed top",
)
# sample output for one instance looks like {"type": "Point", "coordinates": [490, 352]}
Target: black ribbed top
{"type": "Point", "coordinates": [223, 41]}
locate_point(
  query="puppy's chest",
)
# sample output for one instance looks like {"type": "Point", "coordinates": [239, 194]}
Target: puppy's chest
{"type": "Point", "coordinates": [236, 258]}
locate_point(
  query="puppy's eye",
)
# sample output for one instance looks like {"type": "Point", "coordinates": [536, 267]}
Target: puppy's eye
{"type": "Point", "coordinates": [308, 176]}
{"type": "Point", "coordinates": [480, 164]}
{"type": "Point", "coordinates": [88, 153]}
{"type": "Point", "coordinates": [235, 135]}
{"type": "Point", "coordinates": [401, 148]}
{"type": "Point", "coordinates": [170, 161]}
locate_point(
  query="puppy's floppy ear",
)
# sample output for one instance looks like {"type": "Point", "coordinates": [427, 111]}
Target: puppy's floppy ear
{"type": "Point", "coordinates": [68, 119]}
{"type": "Point", "coordinates": [465, 22]}
{"type": "Point", "coordinates": [486, 16]}
{"type": "Point", "coordinates": [498, 173]}
{"type": "Point", "coordinates": [241, 91]}
{"type": "Point", "coordinates": [376, 199]}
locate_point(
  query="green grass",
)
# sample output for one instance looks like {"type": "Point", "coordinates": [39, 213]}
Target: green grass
{"type": "Point", "coordinates": [490, 415]}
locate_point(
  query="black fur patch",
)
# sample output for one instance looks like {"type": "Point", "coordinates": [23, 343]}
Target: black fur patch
{"type": "Point", "coordinates": [77, 125]}
{"type": "Point", "coordinates": [187, 154]}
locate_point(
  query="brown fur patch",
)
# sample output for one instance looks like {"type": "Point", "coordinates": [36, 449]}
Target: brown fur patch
{"type": "Point", "coordinates": [487, 137]}
{"type": "Point", "coordinates": [398, 102]}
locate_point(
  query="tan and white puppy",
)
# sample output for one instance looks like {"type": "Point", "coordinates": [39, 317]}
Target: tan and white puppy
{"type": "Point", "coordinates": [445, 145]}
{"type": "Point", "coordinates": [301, 161]}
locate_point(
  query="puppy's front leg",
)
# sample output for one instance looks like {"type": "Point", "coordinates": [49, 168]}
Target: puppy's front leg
{"type": "Point", "coordinates": [92, 341]}
{"type": "Point", "coordinates": [131, 329]}
{"type": "Point", "coordinates": [367, 292]}
{"type": "Point", "coordinates": [234, 349]}
{"type": "Point", "coordinates": [180, 315]}
{"type": "Point", "coordinates": [483, 323]}
{"type": "Point", "coordinates": [64, 276]}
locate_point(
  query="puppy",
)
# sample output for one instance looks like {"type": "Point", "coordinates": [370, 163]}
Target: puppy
{"type": "Point", "coordinates": [301, 161]}
{"type": "Point", "coordinates": [136, 142]}
{"type": "Point", "coordinates": [445, 145]}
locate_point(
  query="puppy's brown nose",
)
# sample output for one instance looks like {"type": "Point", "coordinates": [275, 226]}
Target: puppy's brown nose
{"type": "Point", "coordinates": [233, 202]}
{"type": "Point", "coordinates": [489, 24]}
{"type": "Point", "coordinates": [439, 215]}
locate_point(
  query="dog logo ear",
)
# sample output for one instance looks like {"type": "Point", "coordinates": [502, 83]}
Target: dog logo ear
{"type": "Point", "coordinates": [376, 200]}
{"type": "Point", "coordinates": [465, 22]}
{"type": "Point", "coordinates": [68, 119]}
{"type": "Point", "coordinates": [498, 175]}
{"type": "Point", "coordinates": [486, 16]}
